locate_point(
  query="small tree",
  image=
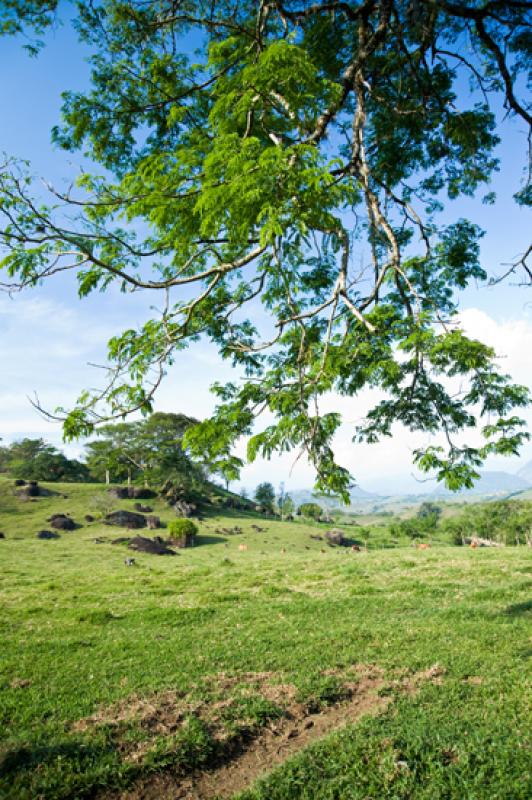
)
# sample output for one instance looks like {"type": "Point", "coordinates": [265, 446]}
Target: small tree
{"type": "Point", "coordinates": [310, 510]}
{"type": "Point", "coordinates": [265, 496]}
{"type": "Point", "coordinates": [429, 509]}
{"type": "Point", "coordinates": [365, 534]}
{"type": "Point", "coordinates": [288, 506]}
{"type": "Point", "coordinates": [412, 528]}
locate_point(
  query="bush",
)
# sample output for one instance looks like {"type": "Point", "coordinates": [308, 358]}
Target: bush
{"type": "Point", "coordinates": [310, 510]}
{"type": "Point", "coordinates": [182, 527]}
{"type": "Point", "coordinates": [102, 504]}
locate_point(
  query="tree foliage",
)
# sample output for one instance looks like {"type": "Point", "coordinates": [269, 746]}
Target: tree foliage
{"type": "Point", "coordinates": [265, 496]}
{"type": "Point", "coordinates": [310, 510]}
{"type": "Point", "coordinates": [504, 521]}
{"type": "Point", "coordinates": [298, 160]}
{"type": "Point", "coordinates": [36, 460]}
{"type": "Point", "coordinates": [150, 450]}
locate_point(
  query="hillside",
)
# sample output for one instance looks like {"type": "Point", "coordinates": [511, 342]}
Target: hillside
{"type": "Point", "coordinates": [255, 649]}
{"type": "Point", "coordinates": [358, 495]}
{"type": "Point", "coordinates": [405, 491]}
{"type": "Point", "coordinates": [490, 484]}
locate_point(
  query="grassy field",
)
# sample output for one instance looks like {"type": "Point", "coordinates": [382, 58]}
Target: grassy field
{"type": "Point", "coordinates": [114, 677]}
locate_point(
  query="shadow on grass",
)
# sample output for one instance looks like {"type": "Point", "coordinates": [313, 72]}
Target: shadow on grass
{"type": "Point", "coordinates": [518, 608]}
{"type": "Point", "coordinates": [206, 538]}
{"type": "Point", "coordinates": [24, 759]}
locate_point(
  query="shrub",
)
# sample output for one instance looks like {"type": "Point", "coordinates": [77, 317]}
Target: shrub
{"type": "Point", "coordinates": [311, 510]}
{"type": "Point", "coordinates": [182, 527]}
{"type": "Point", "coordinates": [102, 504]}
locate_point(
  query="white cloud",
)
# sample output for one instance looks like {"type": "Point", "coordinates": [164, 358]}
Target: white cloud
{"type": "Point", "coordinates": [510, 338]}
{"type": "Point", "coordinates": [45, 345]}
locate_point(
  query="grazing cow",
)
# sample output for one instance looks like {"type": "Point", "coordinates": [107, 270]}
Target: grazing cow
{"type": "Point", "coordinates": [242, 547]}
{"type": "Point", "coordinates": [423, 546]}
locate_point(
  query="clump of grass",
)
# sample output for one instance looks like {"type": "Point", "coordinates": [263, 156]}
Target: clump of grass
{"type": "Point", "coordinates": [319, 691]}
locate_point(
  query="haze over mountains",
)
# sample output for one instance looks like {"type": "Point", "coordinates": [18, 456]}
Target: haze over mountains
{"type": "Point", "coordinates": [491, 484]}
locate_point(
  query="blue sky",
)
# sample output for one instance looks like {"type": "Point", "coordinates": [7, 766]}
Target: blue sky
{"type": "Point", "coordinates": [48, 336]}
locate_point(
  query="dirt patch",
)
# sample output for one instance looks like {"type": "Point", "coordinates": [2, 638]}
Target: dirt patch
{"type": "Point", "coordinates": [411, 683]}
{"type": "Point", "coordinates": [253, 752]}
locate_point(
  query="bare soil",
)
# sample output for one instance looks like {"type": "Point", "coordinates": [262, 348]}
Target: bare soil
{"type": "Point", "coordinates": [255, 755]}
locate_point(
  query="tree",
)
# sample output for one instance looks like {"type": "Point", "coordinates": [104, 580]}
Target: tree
{"type": "Point", "coordinates": [429, 514]}
{"type": "Point", "coordinates": [413, 528]}
{"type": "Point", "coordinates": [285, 504]}
{"type": "Point", "coordinates": [35, 459]}
{"type": "Point", "coordinates": [300, 161]}
{"type": "Point", "coordinates": [505, 521]}
{"type": "Point", "coordinates": [310, 510]}
{"type": "Point", "coordinates": [429, 509]}
{"type": "Point", "coordinates": [150, 449]}
{"type": "Point", "coordinates": [265, 496]}
{"type": "Point", "coordinates": [288, 506]}
{"type": "Point", "coordinates": [4, 458]}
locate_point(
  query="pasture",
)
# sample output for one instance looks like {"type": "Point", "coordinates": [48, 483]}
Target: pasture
{"type": "Point", "coordinates": [262, 665]}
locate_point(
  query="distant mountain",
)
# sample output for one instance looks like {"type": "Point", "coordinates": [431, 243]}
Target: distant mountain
{"type": "Point", "coordinates": [357, 494]}
{"type": "Point", "coordinates": [489, 484]}
{"type": "Point", "coordinates": [391, 490]}
{"type": "Point", "coordinates": [526, 473]}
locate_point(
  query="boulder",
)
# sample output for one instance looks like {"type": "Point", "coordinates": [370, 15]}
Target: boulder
{"type": "Point", "coordinates": [89, 518]}
{"type": "Point", "coordinates": [29, 490]}
{"type": "Point", "coordinates": [153, 522]}
{"type": "Point", "coordinates": [47, 535]}
{"type": "Point", "coordinates": [132, 492]}
{"type": "Point", "coordinates": [184, 509]}
{"type": "Point", "coordinates": [155, 546]}
{"type": "Point", "coordinates": [2, 535]}
{"type": "Point", "coordinates": [119, 492]}
{"type": "Point", "coordinates": [61, 522]}
{"type": "Point", "coordinates": [187, 540]}
{"type": "Point", "coordinates": [336, 536]}
{"type": "Point", "coordinates": [141, 493]}
{"type": "Point", "coordinates": [478, 541]}
{"type": "Point", "coordinates": [126, 519]}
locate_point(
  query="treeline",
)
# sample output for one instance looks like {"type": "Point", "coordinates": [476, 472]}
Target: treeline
{"type": "Point", "coordinates": [36, 460]}
{"type": "Point", "coordinates": [501, 522]}
{"type": "Point", "coordinates": [149, 451]}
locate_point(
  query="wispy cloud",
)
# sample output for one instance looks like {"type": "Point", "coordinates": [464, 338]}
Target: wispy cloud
{"type": "Point", "coordinates": [46, 344]}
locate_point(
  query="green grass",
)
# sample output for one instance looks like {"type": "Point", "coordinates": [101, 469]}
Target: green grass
{"type": "Point", "coordinates": [80, 631]}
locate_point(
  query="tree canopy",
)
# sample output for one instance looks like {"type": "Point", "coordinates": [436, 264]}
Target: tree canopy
{"type": "Point", "coordinates": [277, 170]}
{"type": "Point", "coordinates": [35, 459]}
{"type": "Point", "coordinates": [150, 450]}
{"type": "Point", "coordinates": [265, 496]}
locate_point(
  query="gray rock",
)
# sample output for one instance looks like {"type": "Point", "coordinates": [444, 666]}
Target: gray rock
{"type": "Point", "coordinates": [336, 536]}
{"type": "Point", "coordinates": [47, 535]}
{"type": "Point", "coordinates": [126, 519]}
{"type": "Point", "coordinates": [155, 546]}
{"type": "Point", "coordinates": [61, 522]}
